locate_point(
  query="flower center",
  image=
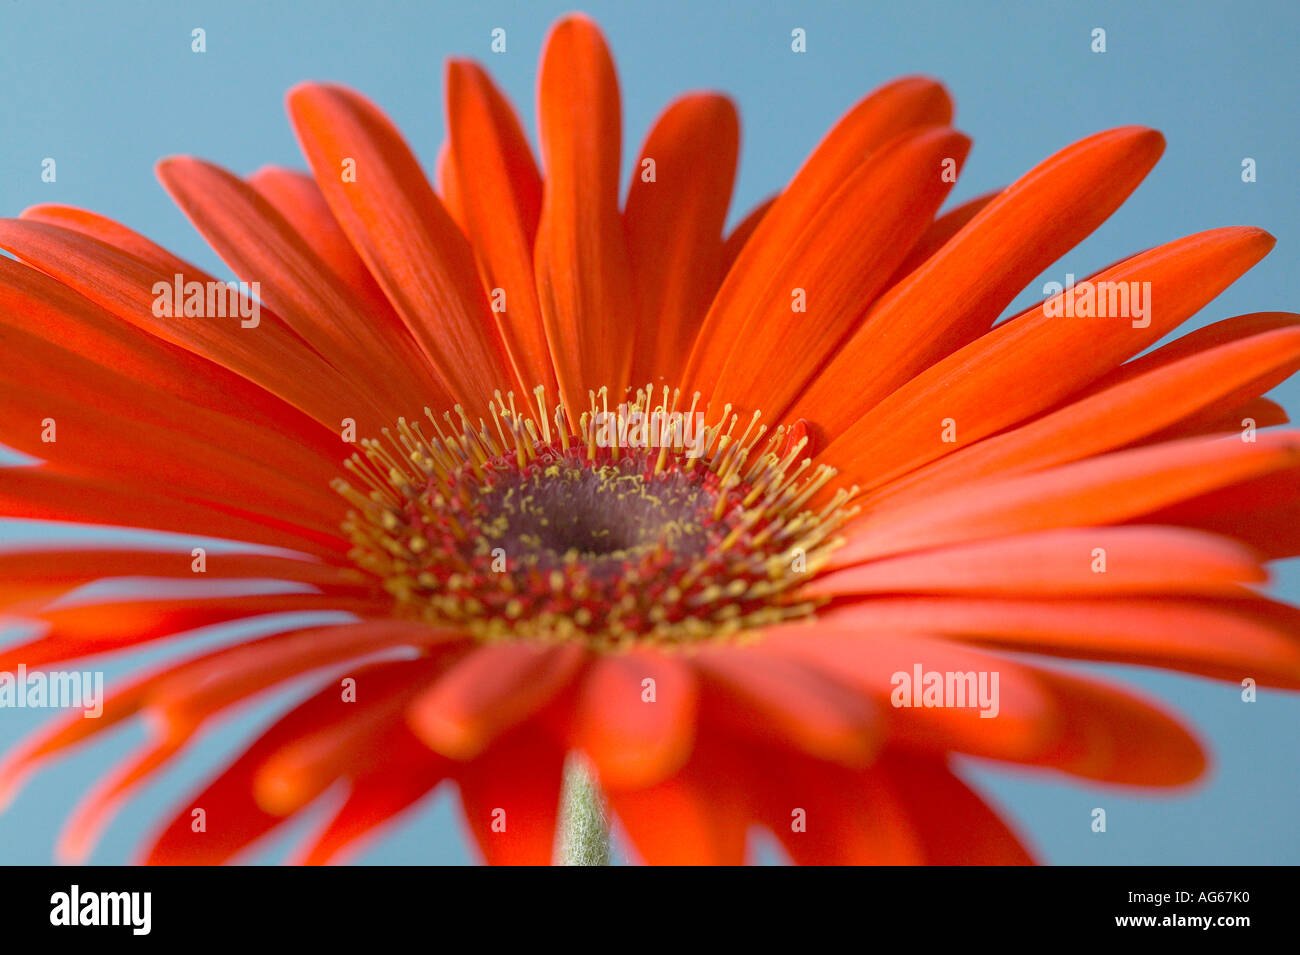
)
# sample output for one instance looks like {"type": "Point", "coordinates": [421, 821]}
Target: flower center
{"type": "Point", "coordinates": [648, 525]}
{"type": "Point", "coordinates": [602, 514]}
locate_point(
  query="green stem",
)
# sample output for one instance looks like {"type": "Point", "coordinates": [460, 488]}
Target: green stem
{"type": "Point", "coordinates": [584, 827]}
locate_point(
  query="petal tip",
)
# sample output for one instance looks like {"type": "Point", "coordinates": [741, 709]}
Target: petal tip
{"type": "Point", "coordinates": [169, 167]}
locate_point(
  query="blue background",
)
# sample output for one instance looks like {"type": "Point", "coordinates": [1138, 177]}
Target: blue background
{"type": "Point", "coordinates": [107, 89]}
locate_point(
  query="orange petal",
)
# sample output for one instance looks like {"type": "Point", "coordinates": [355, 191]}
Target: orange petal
{"type": "Point", "coordinates": [511, 797]}
{"type": "Point", "coordinates": [37, 494]}
{"type": "Point", "coordinates": [192, 692]}
{"type": "Point", "coordinates": [836, 265]}
{"type": "Point", "coordinates": [65, 732]}
{"type": "Point", "coordinates": [52, 311]}
{"type": "Point", "coordinates": [79, 566]}
{"type": "Point", "coordinates": [296, 196]}
{"type": "Point", "coordinates": [123, 283]}
{"type": "Point", "coordinates": [183, 698]}
{"type": "Point", "coordinates": [1223, 639]}
{"type": "Point", "coordinates": [93, 628]}
{"type": "Point", "coordinates": [849, 647]}
{"type": "Point", "coordinates": [233, 822]}
{"type": "Point", "coordinates": [1198, 341]}
{"type": "Point", "coordinates": [497, 186]}
{"type": "Point", "coordinates": [1077, 726]}
{"type": "Point", "coordinates": [1257, 412]}
{"type": "Point", "coordinates": [448, 187]}
{"type": "Point", "coordinates": [944, 228]}
{"type": "Point", "coordinates": [633, 741]}
{"type": "Point", "coordinates": [1114, 735]}
{"type": "Point", "coordinates": [958, 292]}
{"type": "Point", "coordinates": [824, 814]}
{"type": "Point", "coordinates": [261, 246]}
{"type": "Point", "coordinates": [699, 816]}
{"type": "Point", "coordinates": [1108, 489]}
{"type": "Point", "coordinates": [674, 228]}
{"type": "Point", "coordinates": [1227, 416]}
{"type": "Point", "coordinates": [1174, 392]}
{"type": "Point", "coordinates": [83, 827]}
{"type": "Point", "coordinates": [376, 799]}
{"type": "Point", "coordinates": [350, 740]}
{"type": "Point", "coordinates": [584, 281]}
{"type": "Point", "coordinates": [995, 382]}
{"type": "Point", "coordinates": [742, 233]}
{"type": "Point", "coordinates": [1263, 512]}
{"type": "Point", "coordinates": [952, 824]}
{"type": "Point", "coordinates": [493, 689]}
{"type": "Point", "coordinates": [1057, 562]}
{"type": "Point", "coordinates": [904, 105]}
{"type": "Point", "coordinates": [142, 691]}
{"type": "Point", "coordinates": [116, 428]}
{"type": "Point", "coordinates": [781, 701]}
{"type": "Point", "coordinates": [402, 231]}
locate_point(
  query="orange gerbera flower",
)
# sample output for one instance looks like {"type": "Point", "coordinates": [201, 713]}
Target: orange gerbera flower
{"type": "Point", "coordinates": [592, 544]}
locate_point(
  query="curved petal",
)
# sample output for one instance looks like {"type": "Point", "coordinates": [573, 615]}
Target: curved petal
{"type": "Point", "coordinates": [268, 353]}
{"type": "Point", "coordinates": [112, 427]}
{"type": "Point", "coordinates": [993, 382]}
{"type": "Point", "coordinates": [674, 228]}
{"type": "Point", "coordinates": [449, 187]}
{"type": "Point", "coordinates": [699, 816]}
{"type": "Point", "coordinates": [296, 197]}
{"type": "Point", "coordinates": [1264, 512]}
{"type": "Point", "coordinates": [941, 231]}
{"type": "Point", "coordinates": [376, 799]}
{"type": "Point", "coordinates": [262, 247]}
{"type": "Point", "coordinates": [351, 740]}
{"type": "Point", "coordinates": [492, 690]}
{"type": "Point", "coordinates": [232, 821]}
{"type": "Point", "coordinates": [584, 281]}
{"type": "Point", "coordinates": [54, 312]}
{"type": "Point", "coordinates": [1158, 560]}
{"type": "Point", "coordinates": [183, 698]}
{"type": "Point", "coordinates": [780, 701]}
{"type": "Point", "coordinates": [1108, 489]}
{"type": "Point", "coordinates": [824, 814]}
{"type": "Point", "coordinates": [498, 189]}
{"type": "Point", "coordinates": [89, 629]}
{"type": "Point", "coordinates": [402, 231]}
{"type": "Point", "coordinates": [39, 494]}
{"type": "Point", "coordinates": [741, 234]}
{"type": "Point", "coordinates": [632, 739]}
{"type": "Point", "coordinates": [956, 295]}
{"type": "Point", "coordinates": [907, 104]}
{"type": "Point", "coordinates": [1035, 717]}
{"type": "Point", "coordinates": [32, 575]}
{"type": "Point", "coordinates": [953, 825]}
{"type": "Point", "coordinates": [511, 796]}
{"type": "Point", "coordinates": [831, 271]}
{"type": "Point", "coordinates": [1226, 639]}
{"type": "Point", "coordinates": [1164, 396]}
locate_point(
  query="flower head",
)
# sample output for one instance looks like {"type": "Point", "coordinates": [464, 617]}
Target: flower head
{"type": "Point", "coordinates": [744, 522]}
